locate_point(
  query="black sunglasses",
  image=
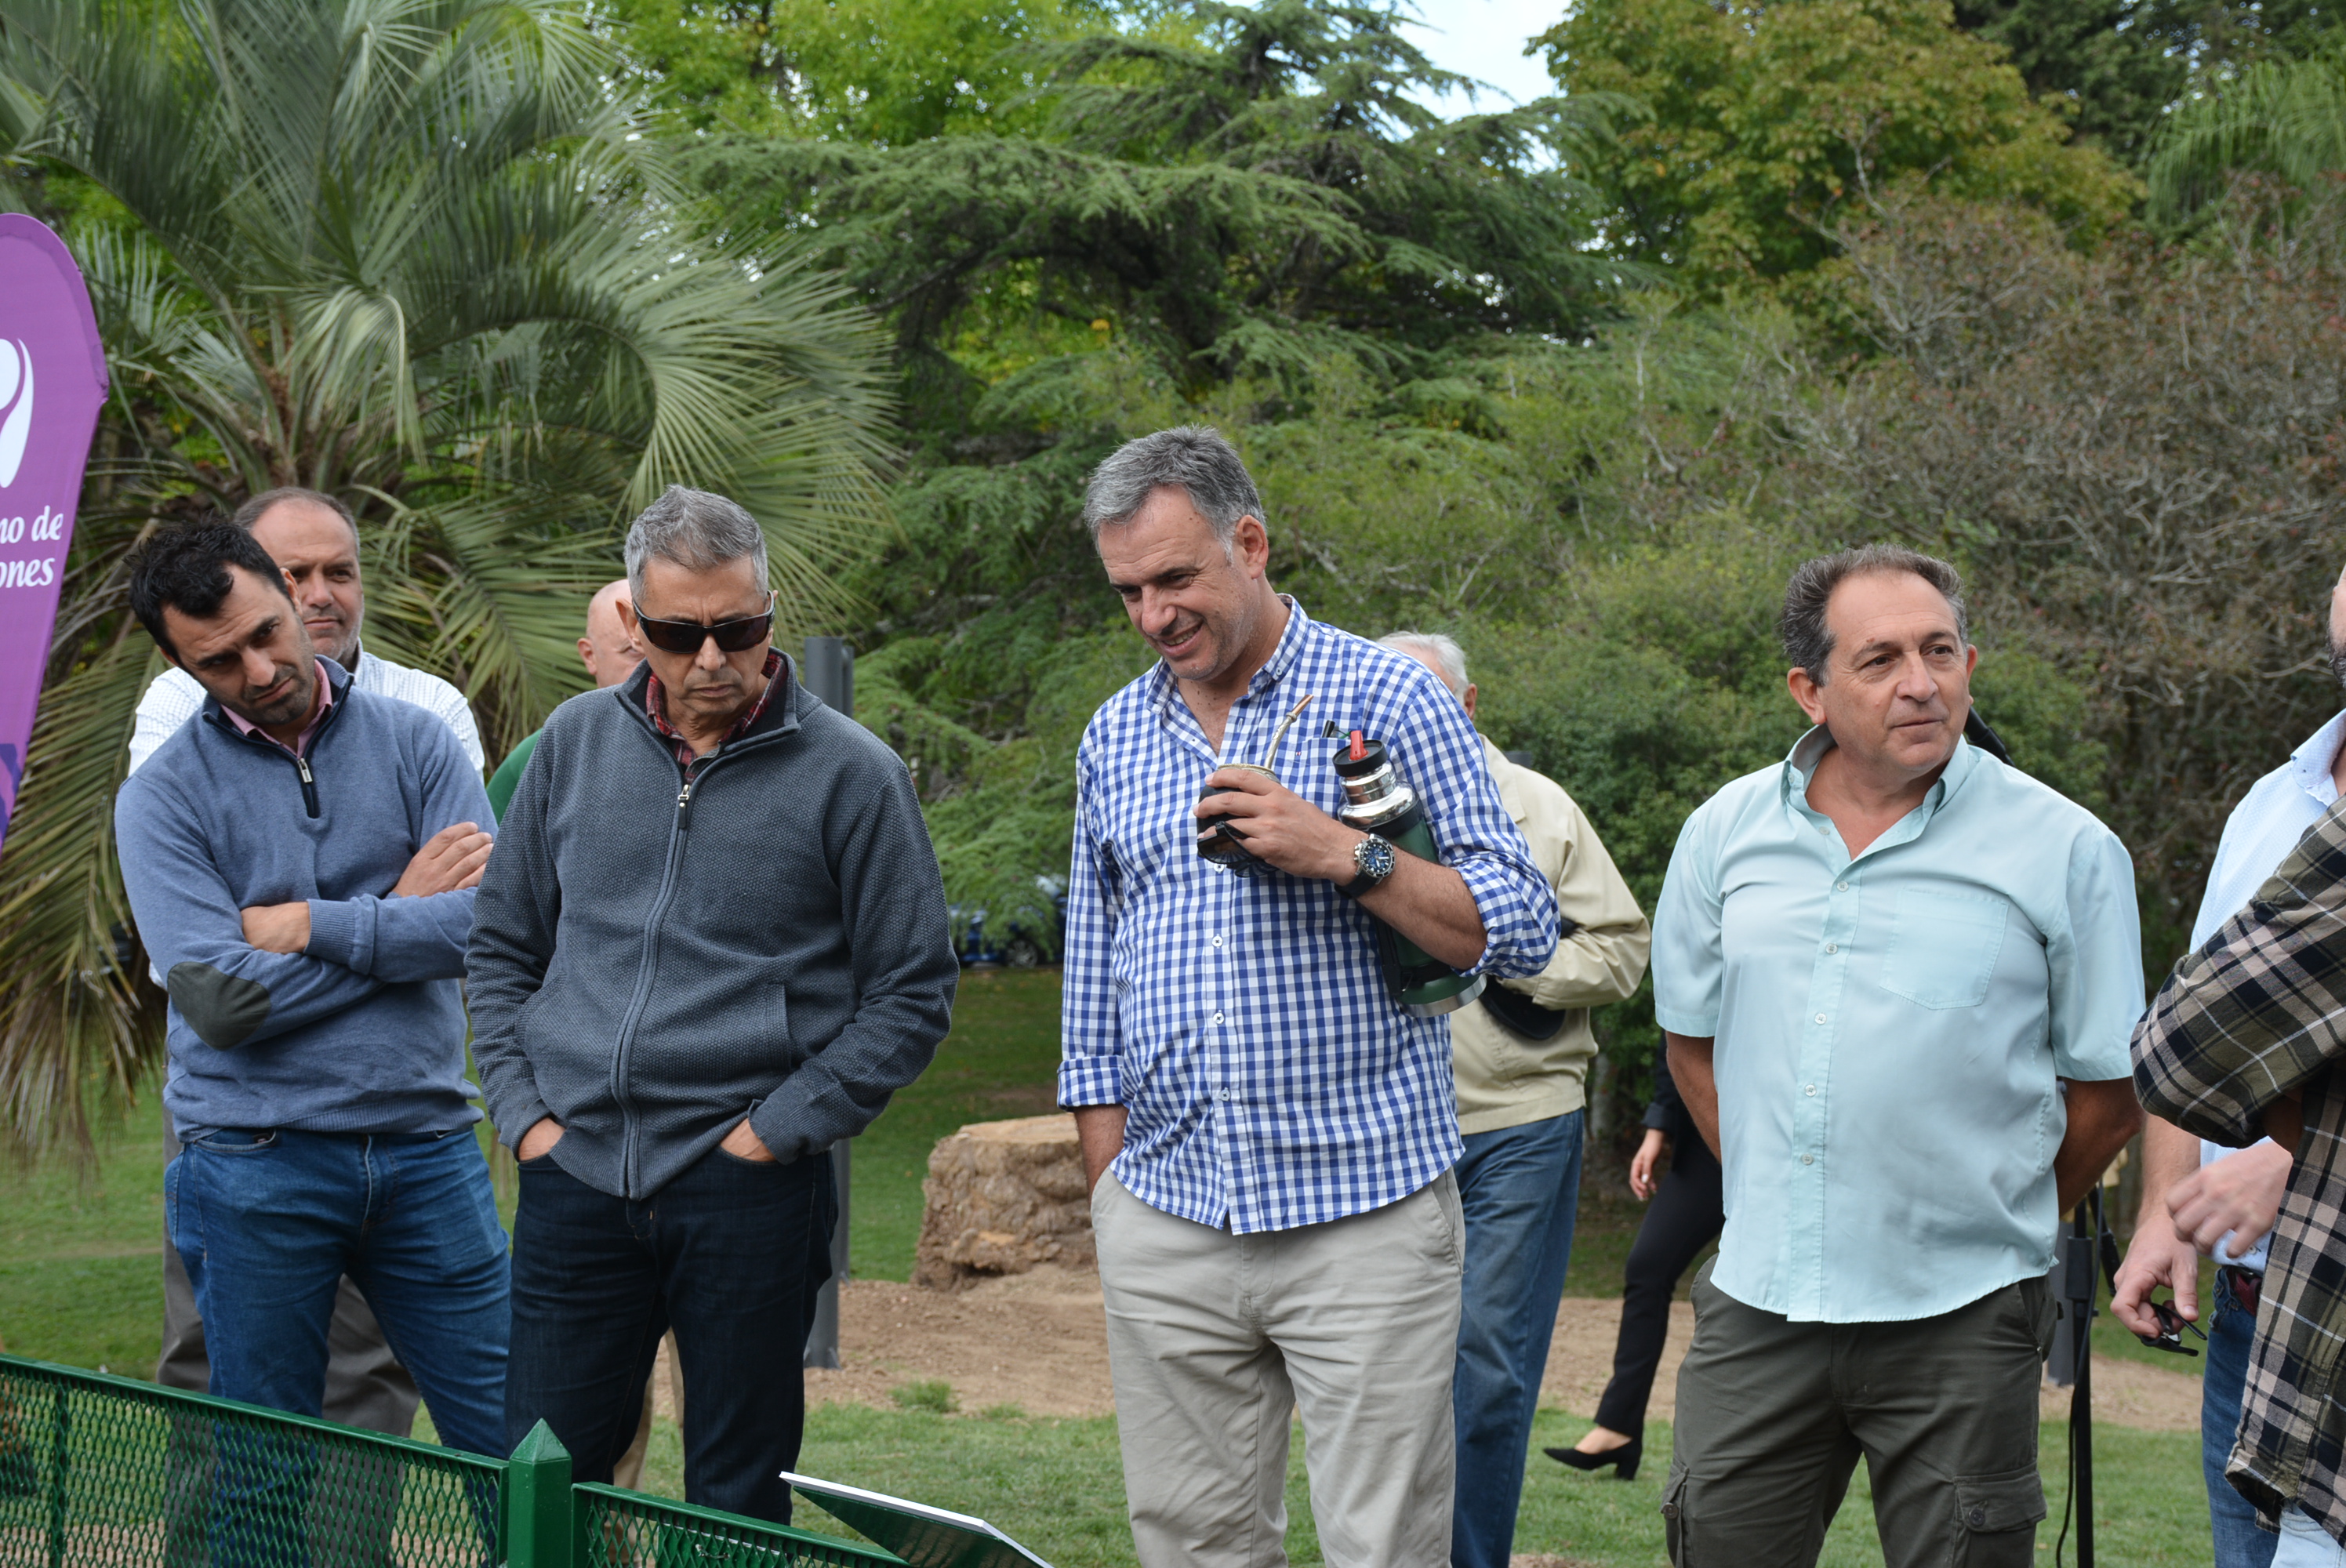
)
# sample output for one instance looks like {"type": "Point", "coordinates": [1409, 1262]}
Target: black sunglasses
{"type": "Point", "coordinates": [685, 637]}
{"type": "Point", "coordinates": [2171, 1325]}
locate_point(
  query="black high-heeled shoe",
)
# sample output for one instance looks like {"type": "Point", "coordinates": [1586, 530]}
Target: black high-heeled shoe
{"type": "Point", "coordinates": [1623, 1459]}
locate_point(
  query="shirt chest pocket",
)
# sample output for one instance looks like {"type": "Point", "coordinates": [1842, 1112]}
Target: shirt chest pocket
{"type": "Point", "coordinates": [1943, 947]}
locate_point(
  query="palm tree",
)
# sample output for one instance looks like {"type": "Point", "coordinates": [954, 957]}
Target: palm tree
{"type": "Point", "coordinates": [2284, 117]}
{"type": "Point", "coordinates": [417, 253]}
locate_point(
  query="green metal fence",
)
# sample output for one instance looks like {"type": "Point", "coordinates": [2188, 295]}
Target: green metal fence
{"type": "Point", "coordinates": [99, 1471]}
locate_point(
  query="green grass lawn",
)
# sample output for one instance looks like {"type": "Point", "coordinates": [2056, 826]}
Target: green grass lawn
{"type": "Point", "coordinates": [81, 1283]}
{"type": "Point", "coordinates": [1057, 1487]}
{"type": "Point", "coordinates": [81, 1253]}
{"type": "Point", "coordinates": [1001, 1060]}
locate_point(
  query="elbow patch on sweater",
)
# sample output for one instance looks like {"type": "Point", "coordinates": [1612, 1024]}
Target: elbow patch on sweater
{"type": "Point", "coordinates": [222, 1009]}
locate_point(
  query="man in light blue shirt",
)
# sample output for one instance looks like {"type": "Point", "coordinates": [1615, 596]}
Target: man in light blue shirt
{"type": "Point", "coordinates": [1897, 978]}
{"type": "Point", "coordinates": [2199, 1196]}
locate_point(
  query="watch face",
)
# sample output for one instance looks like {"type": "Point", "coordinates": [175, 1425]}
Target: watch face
{"type": "Point", "coordinates": [1376, 857]}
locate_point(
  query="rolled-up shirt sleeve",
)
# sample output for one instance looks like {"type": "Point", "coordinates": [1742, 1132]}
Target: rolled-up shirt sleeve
{"type": "Point", "coordinates": [1434, 747]}
{"type": "Point", "coordinates": [2259, 1010]}
{"type": "Point", "coordinates": [1608, 940]}
{"type": "Point", "coordinates": [1091, 1045]}
{"type": "Point", "coordinates": [1689, 965]}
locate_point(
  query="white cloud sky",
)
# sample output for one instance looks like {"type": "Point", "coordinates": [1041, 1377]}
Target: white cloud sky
{"type": "Point", "coordinates": [1485, 39]}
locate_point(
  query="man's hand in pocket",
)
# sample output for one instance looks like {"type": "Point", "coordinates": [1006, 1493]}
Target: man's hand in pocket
{"type": "Point", "coordinates": [744, 1144]}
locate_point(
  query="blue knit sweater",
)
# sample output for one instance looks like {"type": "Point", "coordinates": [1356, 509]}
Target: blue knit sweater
{"type": "Point", "coordinates": [364, 1031]}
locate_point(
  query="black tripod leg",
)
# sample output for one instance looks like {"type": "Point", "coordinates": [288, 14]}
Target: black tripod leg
{"type": "Point", "coordinates": [2081, 1400]}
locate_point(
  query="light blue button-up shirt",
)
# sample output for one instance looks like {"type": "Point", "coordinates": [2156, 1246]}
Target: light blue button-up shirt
{"type": "Point", "coordinates": [1890, 1029]}
{"type": "Point", "coordinates": [2258, 837]}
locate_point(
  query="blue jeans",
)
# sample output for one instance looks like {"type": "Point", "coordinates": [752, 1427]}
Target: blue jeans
{"type": "Point", "coordinates": [2231, 1334]}
{"type": "Point", "coordinates": [1520, 1187]}
{"type": "Point", "coordinates": [268, 1223]}
{"type": "Point", "coordinates": [730, 1255]}
{"type": "Point", "coordinates": [2303, 1543]}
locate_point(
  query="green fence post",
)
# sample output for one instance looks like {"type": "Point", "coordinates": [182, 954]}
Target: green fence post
{"type": "Point", "coordinates": [60, 1464]}
{"type": "Point", "coordinates": [538, 1503]}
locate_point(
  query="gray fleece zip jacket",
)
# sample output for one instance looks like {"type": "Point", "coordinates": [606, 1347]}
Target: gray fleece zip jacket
{"type": "Point", "coordinates": [651, 961]}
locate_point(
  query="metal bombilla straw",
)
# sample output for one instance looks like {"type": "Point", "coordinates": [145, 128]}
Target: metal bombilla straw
{"type": "Point", "coordinates": [1270, 761]}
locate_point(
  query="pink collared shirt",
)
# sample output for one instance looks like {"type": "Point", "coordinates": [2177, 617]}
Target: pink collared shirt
{"type": "Point", "coordinates": [309, 731]}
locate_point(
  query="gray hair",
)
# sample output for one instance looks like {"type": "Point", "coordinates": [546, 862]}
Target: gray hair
{"type": "Point", "coordinates": [1808, 641]}
{"type": "Point", "coordinates": [1448, 658]}
{"type": "Point", "coordinates": [695, 530]}
{"type": "Point", "coordinates": [1197, 457]}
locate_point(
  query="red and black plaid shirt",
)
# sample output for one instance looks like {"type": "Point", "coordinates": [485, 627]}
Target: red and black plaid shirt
{"type": "Point", "coordinates": [656, 708]}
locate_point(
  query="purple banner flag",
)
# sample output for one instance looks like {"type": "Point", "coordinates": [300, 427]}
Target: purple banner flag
{"type": "Point", "coordinates": [52, 385]}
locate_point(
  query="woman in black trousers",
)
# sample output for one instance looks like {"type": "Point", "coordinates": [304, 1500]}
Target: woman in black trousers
{"type": "Point", "coordinates": [1686, 1215]}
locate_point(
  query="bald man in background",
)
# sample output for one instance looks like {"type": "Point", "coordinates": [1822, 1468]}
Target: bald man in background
{"type": "Point", "coordinates": [611, 655]}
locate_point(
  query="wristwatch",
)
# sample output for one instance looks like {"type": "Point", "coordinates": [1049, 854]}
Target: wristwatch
{"type": "Point", "coordinates": [1373, 858]}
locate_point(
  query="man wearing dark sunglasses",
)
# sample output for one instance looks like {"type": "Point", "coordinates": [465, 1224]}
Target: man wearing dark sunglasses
{"type": "Point", "coordinates": [712, 944]}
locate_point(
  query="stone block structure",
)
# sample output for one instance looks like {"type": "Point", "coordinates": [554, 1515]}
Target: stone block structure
{"type": "Point", "coordinates": [1003, 1198]}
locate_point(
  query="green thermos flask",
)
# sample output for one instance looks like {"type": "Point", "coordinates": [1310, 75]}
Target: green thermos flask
{"type": "Point", "coordinates": [1378, 800]}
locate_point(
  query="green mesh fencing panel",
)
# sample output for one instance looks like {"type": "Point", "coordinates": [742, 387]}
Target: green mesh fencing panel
{"type": "Point", "coordinates": [99, 1471]}
{"type": "Point", "coordinates": [627, 1530]}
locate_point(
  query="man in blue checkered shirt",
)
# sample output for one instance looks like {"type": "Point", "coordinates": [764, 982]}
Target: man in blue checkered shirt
{"type": "Point", "coordinates": [1268, 1134]}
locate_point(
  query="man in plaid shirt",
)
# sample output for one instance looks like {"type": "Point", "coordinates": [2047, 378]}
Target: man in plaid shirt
{"type": "Point", "coordinates": [2238, 1046]}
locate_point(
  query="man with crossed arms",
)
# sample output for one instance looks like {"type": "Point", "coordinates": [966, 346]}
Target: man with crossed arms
{"type": "Point", "coordinates": [316, 1027]}
{"type": "Point", "coordinates": [315, 539]}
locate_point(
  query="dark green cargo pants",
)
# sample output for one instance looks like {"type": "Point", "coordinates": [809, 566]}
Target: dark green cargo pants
{"type": "Point", "coordinates": [1773, 1415]}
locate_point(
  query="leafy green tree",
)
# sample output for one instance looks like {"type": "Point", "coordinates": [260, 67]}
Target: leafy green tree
{"type": "Point", "coordinates": [886, 72]}
{"type": "Point", "coordinates": [1768, 122]}
{"type": "Point", "coordinates": [1237, 213]}
{"type": "Point", "coordinates": [2130, 454]}
{"type": "Point", "coordinates": [2117, 66]}
{"type": "Point", "coordinates": [2109, 64]}
{"type": "Point", "coordinates": [2223, 37]}
{"type": "Point", "coordinates": [1248, 202]}
{"type": "Point", "coordinates": [412, 253]}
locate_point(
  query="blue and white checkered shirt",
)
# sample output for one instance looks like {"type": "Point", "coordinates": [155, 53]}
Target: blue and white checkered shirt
{"type": "Point", "coordinates": [1244, 1023]}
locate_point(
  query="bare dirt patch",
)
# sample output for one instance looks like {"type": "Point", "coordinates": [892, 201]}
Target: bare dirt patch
{"type": "Point", "coordinates": [1039, 1341]}
{"type": "Point", "coordinates": [1035, 1340]}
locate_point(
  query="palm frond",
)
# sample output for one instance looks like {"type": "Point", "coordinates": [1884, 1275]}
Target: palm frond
{"type": "Point", "coordinates": [2285, 117]}
{"type": "Point", "coordinates": [81, 1025]}
{"type": "Point", "coordinates": [412, 253]}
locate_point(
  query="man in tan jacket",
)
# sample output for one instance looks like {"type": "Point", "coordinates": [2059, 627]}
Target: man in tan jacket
{"type": "Point", "coordinates": [1520, 1056]}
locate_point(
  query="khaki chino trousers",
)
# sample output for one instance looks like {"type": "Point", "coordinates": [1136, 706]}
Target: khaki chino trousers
{"type": "Point", "coordinates": [1215, 1338]}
